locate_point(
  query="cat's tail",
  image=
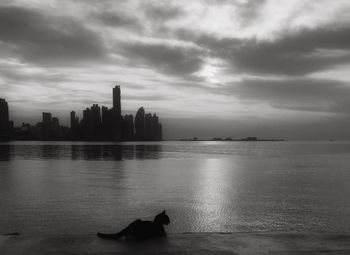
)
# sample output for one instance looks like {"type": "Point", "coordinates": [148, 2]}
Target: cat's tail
{"type": "Point", "coordinates": [112, 236]}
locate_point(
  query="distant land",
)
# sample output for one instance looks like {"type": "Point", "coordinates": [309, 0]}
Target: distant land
{"type": "Point", "coordinates": [229, 139]}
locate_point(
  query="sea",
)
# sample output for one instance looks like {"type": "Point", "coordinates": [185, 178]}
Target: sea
{"type": "Point", "coordinates": [216, 186]}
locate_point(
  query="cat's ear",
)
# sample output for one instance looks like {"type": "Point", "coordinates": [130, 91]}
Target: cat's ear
{"type": "Point", "coordinates": [163, 212]}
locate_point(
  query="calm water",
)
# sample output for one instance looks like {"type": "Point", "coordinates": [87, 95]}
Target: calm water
{"type": "Point", "coordinates": [204, 186]}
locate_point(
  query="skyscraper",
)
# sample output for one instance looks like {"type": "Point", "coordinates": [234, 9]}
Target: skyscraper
{"type": "Point", "coordinates": [74, 125]}
{"type": "Point", "coordinates": [157, 128]}
{"type": "Point", "coordinates": [47, 118]}
{"type": "Point", "coordinates": [128, 127]}
{"type": "Point", "coordinates": [91, 123]}
{"type": "Point", "coordinates": [140, 124]}
{"type": "Point", "coordinates": [55, 128]}
{"type": "Point", "coordinates": [148, 127]}
{"type": "Point", "coordinates": [116, 114]}
{"type": "Point", "coordinates": [72, 120]}
{"type": "Point", "coordinates": [116, 100]}
{"type": "Point", "coordinates": [46, 126]}
{"type": "Point", "coordinates": [4, 120]}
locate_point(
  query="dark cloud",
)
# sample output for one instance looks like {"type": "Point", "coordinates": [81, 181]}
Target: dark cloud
{"type": "Point", "coordinates": [119, 19]}
{"type": "Point", "coordinates": [174, 60]}
{"type": "Point", "coordinates": [299, 94]}
{"type": "Point", "coordinates": [291, 55]}
{"type": "Point", "coordinates": [37, 37]}
{"type": "Point", "coordinates": [294, 54]}
{"type": "Point", "coordinates": [162, 11]}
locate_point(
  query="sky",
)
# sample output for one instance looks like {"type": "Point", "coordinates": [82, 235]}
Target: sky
{"type": "Point", "coordinates": [211, 68]}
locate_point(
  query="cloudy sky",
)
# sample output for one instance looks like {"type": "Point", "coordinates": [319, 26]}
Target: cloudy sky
{"type": "Point", "coordinates": [268, 68]}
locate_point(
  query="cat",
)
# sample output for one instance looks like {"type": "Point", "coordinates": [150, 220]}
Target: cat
{"type": "Point", "coordinates": [140, 229]}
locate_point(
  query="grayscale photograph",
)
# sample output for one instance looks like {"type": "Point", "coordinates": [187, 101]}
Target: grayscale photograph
{"type": "Point", "coordinates": [174, 127]}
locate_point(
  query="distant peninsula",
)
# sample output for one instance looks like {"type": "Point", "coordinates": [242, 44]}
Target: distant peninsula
{"type": "Point", "coordinates": [228, 139]}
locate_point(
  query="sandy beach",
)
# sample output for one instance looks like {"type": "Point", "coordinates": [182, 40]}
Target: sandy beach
{"type": "Point", "coordinates": [185, 243]}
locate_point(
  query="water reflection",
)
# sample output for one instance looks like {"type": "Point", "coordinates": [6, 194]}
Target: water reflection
{"type": "Point", "coordinates": [223, 187]}
{"type": "Point", "coordinates": [115, 152]}
{"type": "Point", "coordinates": [50, 151]}
{"type": "Point", "coordinates": [215, 193]}
{"type": "Point", "coordinates": [5, 154]}
{"type": "Point", "coordinates": [81, 151]}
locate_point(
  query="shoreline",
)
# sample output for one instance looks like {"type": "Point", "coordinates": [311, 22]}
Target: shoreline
{"type": "Point", "coordinates": [183, 243]}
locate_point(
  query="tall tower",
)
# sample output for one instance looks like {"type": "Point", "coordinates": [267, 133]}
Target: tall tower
{"type": "Point", "coordinates": [116, 114]}
{"type": "Point", "coordinates": [72, 120]}
{"type": "Point", "coordinates": [116, 100]}
{"type": "Point", "coordinates": [4, 119]}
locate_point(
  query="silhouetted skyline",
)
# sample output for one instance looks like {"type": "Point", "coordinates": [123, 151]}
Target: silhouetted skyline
{"type": "Point", "coordinates": [108, 125]}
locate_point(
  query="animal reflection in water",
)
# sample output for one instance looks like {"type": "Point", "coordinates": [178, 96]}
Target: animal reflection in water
{"type": "Point", "coordinates": [140, 229]}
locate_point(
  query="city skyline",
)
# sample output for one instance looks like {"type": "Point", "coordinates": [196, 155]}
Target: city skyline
{"type": "Point", "coordinates": [96, 124]}
{"type": "Point", "coordinates": [276, 69]}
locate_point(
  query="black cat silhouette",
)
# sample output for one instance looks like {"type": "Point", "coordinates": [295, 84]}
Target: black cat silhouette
{"type": "Point", "coordinates": [140, 229]}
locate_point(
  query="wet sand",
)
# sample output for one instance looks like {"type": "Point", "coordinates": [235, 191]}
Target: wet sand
{"type": "Point", "coordinates": [186, 243]}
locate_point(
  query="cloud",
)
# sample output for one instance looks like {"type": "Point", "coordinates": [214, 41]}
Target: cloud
{"type": "Point", "coordinates": [119, 19]}
{"type": "Point", "coordinates": [249, 11]}
{"type": "Point", "coordinates": [16, 73]}
{"type": "Point", "coordinates": [170, 59]}
{"type": "Point", "coordinates": [161, 12]}
{"type": "Point", "coordinates": [52, 40]}
{"type": "Point", "coordinates": [302, 53]}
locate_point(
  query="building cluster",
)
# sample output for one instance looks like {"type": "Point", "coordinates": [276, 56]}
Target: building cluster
{"type": "Point", "coordinates": [97, 124]}
{"type": "Point", "coordinates": [109, 124]}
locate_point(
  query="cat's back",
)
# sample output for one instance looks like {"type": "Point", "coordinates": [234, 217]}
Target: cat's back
{"type": "Point", "coordinates": [144, 229]}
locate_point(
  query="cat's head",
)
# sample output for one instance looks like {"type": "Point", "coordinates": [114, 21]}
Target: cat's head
{"type": "Point", "coordinates": [162, 218]}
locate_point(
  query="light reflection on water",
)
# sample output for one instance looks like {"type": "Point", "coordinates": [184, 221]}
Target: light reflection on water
{"type": "Point", "coordinates": [214, 194]}
{"type": "Point", "coordinates": [204, 186]}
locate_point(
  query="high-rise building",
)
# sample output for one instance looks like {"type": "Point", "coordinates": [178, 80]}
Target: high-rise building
{"type": "Point", "coordinates": [107, 123]}
{"type": "Point", "coordinates": [4, 120]}
{"type": "Point", "coordinates": [72, 120]}
{"type": "Point", "coordinates": [128, 127]}
{"type": "Point", "coordinates": [55, 122]}
{"type": "Point", "coordinates": [74, 126]}
{"type": "Point", "coordinates": [140, 124]}
{"type": "Point", "coordinates": [46, 126]}
{"type": "Point", "coordinates": [91, 123]}
{"type": "Point", "coordinates": [148, 127]}
{"type": "Point", "coordinates": [116, 114]}
{"type": "Point", "coordinates": [105, 117]}
{"type": "Point", "coordinates": [116, 100]}
{"type": "Point", "coordinates": [157, 128]}
{"type": "Point", "coordinates": [47, 118]}
{"type": "Point", "coordinates": [96, 115]}
{"type": "Point", "coordinates": [86, 124]}
{"type": "Point", "coordinates": [55, 129]}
